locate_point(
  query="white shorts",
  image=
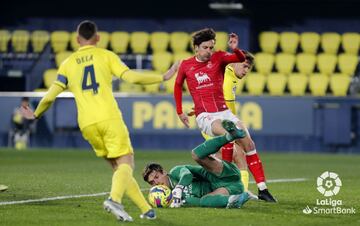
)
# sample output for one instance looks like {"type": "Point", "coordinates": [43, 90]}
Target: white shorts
{"type": "Point", "coordinates": [205, 120]}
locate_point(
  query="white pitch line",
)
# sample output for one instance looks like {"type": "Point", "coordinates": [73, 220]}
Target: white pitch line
{"type": "Point", "coordinates": [106, 193]}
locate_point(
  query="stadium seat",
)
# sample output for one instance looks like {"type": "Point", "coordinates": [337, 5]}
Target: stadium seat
{"type": "Point", "coordinates": [297, 84]}
{"type": "Point", "coordinates": [39, 39]}
{"type": "Point", "coordinates": [326, 63]}
{"type": "Point", "coordinates": [351, 42]}
{"type": "Point", "coordinates": [318, 84]}
{"type": "Point", "coordinates": [169, 85]}
{"type": "Point", "coordinates": [181, 56]}
{"type": "Point", "coordinates": [255, 83]}
{"type": "Point", "coordinates": [179, 41]}
{"type": "Point", "coordinates": [309, 42]}
{"type": "Point", "coordinates": [130, 88]}
{"type": "Point", "coordinates": [104, 39]}
{"type": "Point", "coordinates": [161, 61]}
{"type": "Point", "coordinates": [159, 41]}
{"type": "Point", "coordinates": [59, 40]}
{"type": "Point", "coordinates": [284, 63]}
{"type": "Point", "coordinates": [289, 42]}
{"type": "Point", "coordinates": [73, 41]}
{"type": "Point", "coordinates": [305, 63]}
{"type": "Point", "coordinates": [139, 41]}
{"type": "Point", "coordinates": [60, 57]}
{"type": "Point", "coordinates": [269, 41]}
{"type": "Point", "coordinates": [330, 42]}
{"type": "Point", "coordinates": [221, 41]}
{"type": "Point", "coordinates": [49, 77]}
{"type": "Point", "coordinates": [348, 63]}
{"type": "Point", "coordinates": [5, 37]}
{"type": "Point", "coordinates": [339, 84]}
{"type": "Point", "coordinates": [119, 41]}
{"type": "Point", "coordinates": [276, 83]}
{"type": "Point", "coordinates": [264, 62]}
{"type": "Point", "coordinates": [20, 41]}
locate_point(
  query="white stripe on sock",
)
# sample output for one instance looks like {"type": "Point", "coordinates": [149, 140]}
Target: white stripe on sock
{"type": "Point", "coordinates": [253, 152]}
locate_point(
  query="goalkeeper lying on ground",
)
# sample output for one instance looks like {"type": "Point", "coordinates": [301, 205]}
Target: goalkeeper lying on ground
{"type": "Point", "coordinates": [215, 183]}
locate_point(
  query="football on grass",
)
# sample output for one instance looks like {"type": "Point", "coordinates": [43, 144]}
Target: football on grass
{"type": "Point", "coordinates": [160, 196]}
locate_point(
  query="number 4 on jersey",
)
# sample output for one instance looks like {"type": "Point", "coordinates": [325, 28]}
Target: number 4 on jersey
{"type": "Point", "coordinates": [89, 70]}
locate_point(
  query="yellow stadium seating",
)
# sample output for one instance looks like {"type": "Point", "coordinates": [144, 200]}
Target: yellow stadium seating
{"type": "Point", "coordinates": [119, 41]}
{"type": "Point", "coordinates": [297, 84]}
{"type": "Point", "coordinates": [255, 83]}
{"type": "Point", "coordinates": [161, 61]}
{"type": "Point", "coordinates": [181, 56]}
{"type": "Point", "coordinates": [309, 42]}
{"type": "Point", "coordinates": [49, 77]}
{"type": "Point", "coordinates": [169, 85]}
{"type": "Point", "coordinates": [221, 41]}
{"type": "Point", "coordinates": [318, 84]}
{"type": "Point", "coordinates": [5, 37]}
{"type": "Point", "coordinates": [60, 57]}
{"type": "Point", "coordinates": [276, 83]}
{"type": "Point", "coordinates": [330, 42]}
{"type": "Point", "coordinates": [179, 41]}
{"type": "Point", "coordinates": [339, 84]}
{"type": "Point", "coordinates": [348, 63]}
{"type": "Point", "coordinates": [59, 40]}
{"type": "Point", "coordinates": [39, 39]}
{"type": "Point", "coordinates": [305, 63]}
{"type": "Point", "coordinates": [104, 38]}
{"type": "Point", "coordinates": [284, 62]}
{"type": "Point", "coordinates": [289, 42]}
{"type": "Point", "coordinates": [20, 41]}
{"type": "Point", "coordinates": [139, 41]}
{"type": "Point", "coordinates": [130, 88]}
{"type": "Point", "coordinates": [264, 62]}
{"type": "Point", "coordinates": [351, 42]}
{"type": "Point", "coordinates": [159, 41]}
{"type": "Point", "coordinates": [326, 63]}
{"type": "Point", "coordinates": [73, 41]}
{"type": "Point", "coordinates": [269, 41]}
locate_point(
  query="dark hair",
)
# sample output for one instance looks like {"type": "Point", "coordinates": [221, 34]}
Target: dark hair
{"type": "Point", "coordinates": [250, 59]}
{"type": "Point", "coordinates": [203, 35]}
{"type": "Point", "coordinates": [149, 168]}
{"type": "Point", "coordinates": [87, 29]}
{"type": "Point", "coordinates": [25, 99]}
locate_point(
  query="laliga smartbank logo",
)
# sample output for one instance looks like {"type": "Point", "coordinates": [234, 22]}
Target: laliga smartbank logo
{"type": "Point", "coordinates": [329, 184]}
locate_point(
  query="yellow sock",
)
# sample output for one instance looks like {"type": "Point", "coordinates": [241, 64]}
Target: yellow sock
{"type": "Point", "coordinates": [245, 179]}
{"type": "Point", "coordinates": [135, 194]}
{"type": "Point", "coordinates": [120, 182]}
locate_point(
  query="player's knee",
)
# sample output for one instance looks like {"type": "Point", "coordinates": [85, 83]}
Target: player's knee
{"type": "Point", "coordinates": [251, 145]}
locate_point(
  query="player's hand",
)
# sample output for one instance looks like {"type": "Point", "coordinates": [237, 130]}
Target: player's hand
{"type": "Point", "coordinates": [184, 118]}
{"type": "Point", "coordinates": [171, 72]}
{"type": "Point", "coordinates": [27, 112]}
{"type": "Point", "coordinates": [177, 194]}
{"type": "Point", "coordinates": [233, 41]}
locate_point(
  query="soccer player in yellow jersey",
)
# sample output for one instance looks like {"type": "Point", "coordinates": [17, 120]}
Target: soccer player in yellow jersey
{"type": "Point", "coordinates": [87, 73]}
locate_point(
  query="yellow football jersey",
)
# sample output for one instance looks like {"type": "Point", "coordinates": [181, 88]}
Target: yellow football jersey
{"type": "Point", "coordinates": [87, 73]}
{"type": "Point", "coordinates": [229, 88]}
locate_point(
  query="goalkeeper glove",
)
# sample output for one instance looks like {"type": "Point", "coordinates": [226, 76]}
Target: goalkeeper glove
{"type": "Point", "coordinates": [177, 193]}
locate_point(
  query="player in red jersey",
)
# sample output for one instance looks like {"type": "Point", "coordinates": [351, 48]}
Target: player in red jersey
{"type": "Point", "coordinates": [204, 75]}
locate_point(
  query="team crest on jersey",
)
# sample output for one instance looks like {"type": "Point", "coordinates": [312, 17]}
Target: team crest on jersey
{"type": "Point", "coordinates": [209, 65]}
{"type": "Point", "coordinates": [202, 77]}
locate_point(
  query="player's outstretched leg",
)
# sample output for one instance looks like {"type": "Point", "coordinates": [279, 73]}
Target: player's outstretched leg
{"type": "Point", "coordinates": [117, 209]}
{"type": "Point", "coordinates": [233, 131]}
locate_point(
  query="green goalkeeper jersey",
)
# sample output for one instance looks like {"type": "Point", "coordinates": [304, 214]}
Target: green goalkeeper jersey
{"type": "Point", "coordinates": [198, 182]}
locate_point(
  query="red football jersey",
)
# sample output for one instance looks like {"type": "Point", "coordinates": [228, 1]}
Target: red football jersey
{"type": "Point", "coordinates": [205, 81]}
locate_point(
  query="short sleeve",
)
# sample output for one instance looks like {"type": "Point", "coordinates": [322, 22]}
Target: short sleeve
{"type": "Point", "coordinates": [117, 66]}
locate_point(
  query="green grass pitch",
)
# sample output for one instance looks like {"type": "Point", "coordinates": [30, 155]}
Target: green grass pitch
{"type": "Point", "coordinates": [37, 174]}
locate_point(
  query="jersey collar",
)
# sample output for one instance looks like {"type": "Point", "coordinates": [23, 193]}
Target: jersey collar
{"type": "Point", "coordinates": [86, 47]}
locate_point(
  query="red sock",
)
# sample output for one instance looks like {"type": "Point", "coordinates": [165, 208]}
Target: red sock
{"type": "Point", "coordinates": [227, 152]}
{"type": "Point", "coordinates": [255, 167]}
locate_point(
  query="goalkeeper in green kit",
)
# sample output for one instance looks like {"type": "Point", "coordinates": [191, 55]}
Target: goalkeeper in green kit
{"type": "Point", "coordinates": [215, 183]}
